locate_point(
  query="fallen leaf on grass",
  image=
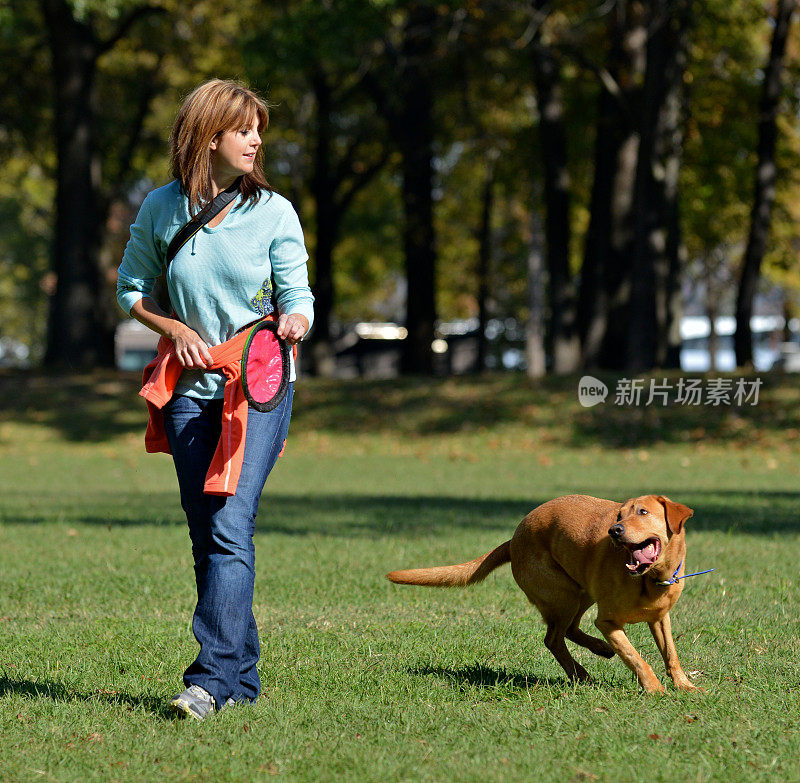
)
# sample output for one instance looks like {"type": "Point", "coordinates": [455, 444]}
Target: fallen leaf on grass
{"type": "Point", "coordinates": [93, 737]}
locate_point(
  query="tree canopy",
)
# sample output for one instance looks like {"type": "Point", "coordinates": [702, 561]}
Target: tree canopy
{"type": "Point", "coordinates": [432, 149]}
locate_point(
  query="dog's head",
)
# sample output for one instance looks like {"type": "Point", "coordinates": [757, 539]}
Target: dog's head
{"type": "Point", "coordinates": [645, 526]}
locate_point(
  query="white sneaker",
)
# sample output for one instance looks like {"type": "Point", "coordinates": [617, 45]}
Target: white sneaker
{"type": "Point", "coordinates": [195, 702]}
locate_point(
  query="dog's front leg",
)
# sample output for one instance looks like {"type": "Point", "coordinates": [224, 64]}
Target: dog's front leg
{"type": "Point", "coordinates": [621, 645]}
{"type": "Point", "coordinates": [662, 633]}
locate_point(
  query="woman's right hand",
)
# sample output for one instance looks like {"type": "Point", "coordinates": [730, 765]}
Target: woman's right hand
{"type": "Point", "coordinates": [190, 348]}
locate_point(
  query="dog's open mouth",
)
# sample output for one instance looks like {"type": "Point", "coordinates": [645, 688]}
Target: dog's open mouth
{"type": "Point", "coordinates": [643, 555]}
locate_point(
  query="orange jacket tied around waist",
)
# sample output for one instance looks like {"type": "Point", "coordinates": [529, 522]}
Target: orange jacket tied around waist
{"type": "Point", "coordinates": [160, 378]}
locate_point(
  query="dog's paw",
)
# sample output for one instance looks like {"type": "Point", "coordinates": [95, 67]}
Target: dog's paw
{"type": "Point", "coordinates": [579, 674]}
{"type": "Point", "coordinates": [654, 687]}
{"type": "Point", "coordinates": [688, 687]}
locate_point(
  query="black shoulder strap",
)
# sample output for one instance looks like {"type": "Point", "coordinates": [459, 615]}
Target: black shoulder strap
{"type": "Point", "coordinates": [221, 200]}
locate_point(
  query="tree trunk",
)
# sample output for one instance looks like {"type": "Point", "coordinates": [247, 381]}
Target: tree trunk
{"type": "Point", "coordinates": [619, 268]}
{"type": "Point", "coordinates": [656, 183]}
{"type": "Point", "coordinates": [713, 338]}
{"type": "Point", "coordinates": [404, 97]}
{"type": "Point", "coordinates": [414, 132]}
{"type": "Point", "coordinates": [80, 330]}
{"type": "Point", "coordinates": [323, 362]}
{"type": "Point", "coordinates": [418, 244]}
{"type": "Point", "coordinates": [606, 278]}
{"type": "Point", "coordinates": [563, 335]}
{"type": "Point", "coordinates": [75, 337]}
{"type": "Point", "coordinates": [484, 258]}
{"type": "Point", "coordinates": [670, 341]}
{"type": "Point", "coordinates": [764, 189]}
{"type": "Point", "coordinates": [592, 299]}
{"type": "Point", "coordinates": [670, 300]}
{"type": "Point", "coordinates": [535, 356]}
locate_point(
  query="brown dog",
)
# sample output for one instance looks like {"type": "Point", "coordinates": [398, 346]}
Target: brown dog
{"type": "Point", "coordinates": [576, 551]}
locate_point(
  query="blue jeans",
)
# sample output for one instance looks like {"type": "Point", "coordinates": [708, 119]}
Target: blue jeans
{"type": "Point", "coordinates": [221, 530]}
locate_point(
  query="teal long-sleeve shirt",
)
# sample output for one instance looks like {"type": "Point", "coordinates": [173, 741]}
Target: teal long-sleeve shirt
{"type": "Point", "coordinates": [219, 281]}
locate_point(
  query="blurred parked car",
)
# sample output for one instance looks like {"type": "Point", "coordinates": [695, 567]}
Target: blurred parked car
{"type": "Point", "coordinates": [134, 345]}
{"type": "Point", "coordinates": [13, 353]}
{"type": "Point", "coordinates": [696, 331]}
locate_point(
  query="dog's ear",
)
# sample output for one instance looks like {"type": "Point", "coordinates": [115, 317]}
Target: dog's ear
{"type": "Point", "coordinates": [676, 513]}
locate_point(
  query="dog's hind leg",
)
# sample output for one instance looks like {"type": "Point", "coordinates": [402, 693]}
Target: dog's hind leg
{"type": "Point", "coordinates": [558, 599]}
{"type": "Point", "coordinates": [591, 643]}
{"type": "Point", "coordinates": [560, 613]}
{"type": "Point", "coordinates": [554, 641]}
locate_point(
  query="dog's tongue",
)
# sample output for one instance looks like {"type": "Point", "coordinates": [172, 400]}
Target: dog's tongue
{"type": "Point", "coordinates": [644, 556]}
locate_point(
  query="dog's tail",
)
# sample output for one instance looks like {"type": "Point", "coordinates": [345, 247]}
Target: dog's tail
{"type": "Point", "coordinates": [455, 575]}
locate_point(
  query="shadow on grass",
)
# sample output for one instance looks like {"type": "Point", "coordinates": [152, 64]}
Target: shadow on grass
{"type": "Point", "coordinates": [348, 515]}
{"type": "Point", "coordinates": [55, 691]}
{"type": "Point", "coordinates": [101, 404]}
{"type": "Point", "coordinates": [483, 677]}
{"type": "Point", "coordinates": [549, 409]}
{"type": "Point", "coordinates": [775, 418]}
{"type": "Point", "coordinates": [752, 513]}
{"type": "Point", "coordinates": [94, 406]}
{"type": "Point", "coordinates": [291, 515]}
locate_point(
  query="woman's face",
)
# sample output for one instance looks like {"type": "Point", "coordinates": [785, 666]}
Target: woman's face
{"type": "Point", "coordinates": [233, 152]}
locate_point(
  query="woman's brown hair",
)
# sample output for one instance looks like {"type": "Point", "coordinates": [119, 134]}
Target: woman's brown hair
{"type": "Point", "coordinates": [211, 109]}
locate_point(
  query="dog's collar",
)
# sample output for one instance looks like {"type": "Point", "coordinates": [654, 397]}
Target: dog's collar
{"type": "Point", "coordinates": [675, 578]}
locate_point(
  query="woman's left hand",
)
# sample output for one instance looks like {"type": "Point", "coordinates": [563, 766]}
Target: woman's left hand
{"type": "Point", "coordinates": [292, 327]}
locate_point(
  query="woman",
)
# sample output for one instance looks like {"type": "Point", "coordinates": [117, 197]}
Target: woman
{"type": "Point", "coordinates": [219, 281]}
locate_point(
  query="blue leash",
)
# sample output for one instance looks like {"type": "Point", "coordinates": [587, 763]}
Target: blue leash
{"type": "Point", "coordinates": [675, 578]}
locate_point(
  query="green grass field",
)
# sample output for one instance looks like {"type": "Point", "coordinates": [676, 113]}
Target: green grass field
{"type": "Point", "coordinates": [365, 680]}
